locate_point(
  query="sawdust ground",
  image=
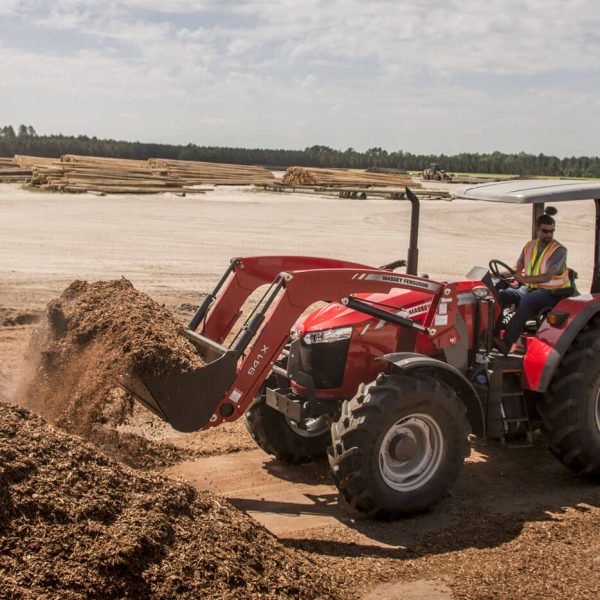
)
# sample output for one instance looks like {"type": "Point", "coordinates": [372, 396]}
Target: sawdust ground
{"type": "Point", "coordinates": [517, 525]}
{"type": "Point", "coordinates": [75, 524]}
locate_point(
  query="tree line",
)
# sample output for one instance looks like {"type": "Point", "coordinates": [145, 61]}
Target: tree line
{"type": "Point", "coordinates": [25, 140]}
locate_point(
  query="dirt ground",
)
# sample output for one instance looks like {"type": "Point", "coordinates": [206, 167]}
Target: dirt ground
{"type": "Point", "coordinates": [518, 524]}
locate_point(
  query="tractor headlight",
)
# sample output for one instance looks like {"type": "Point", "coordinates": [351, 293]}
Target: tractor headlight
{"type": "Point", "coordinates": [480, 292]}
{"type": "Point", "coordinates": [328, 335]}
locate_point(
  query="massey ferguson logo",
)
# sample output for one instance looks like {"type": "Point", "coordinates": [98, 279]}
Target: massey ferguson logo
{"type": "Point", "coordinates": [407, 282]}
{"type": "Point", "coordinates": [259, 358]}
{"type": "Point", "coordinates": [414, 310]}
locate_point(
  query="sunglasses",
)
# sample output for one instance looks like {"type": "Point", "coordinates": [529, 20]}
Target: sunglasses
{"type": "Point", "coordinates": [546, 230]}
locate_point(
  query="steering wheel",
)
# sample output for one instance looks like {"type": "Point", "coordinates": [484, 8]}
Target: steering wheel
{"type": "Point", "coordinates": [501, 281]}
{"type": "Point", "coordinates": [494, 265]}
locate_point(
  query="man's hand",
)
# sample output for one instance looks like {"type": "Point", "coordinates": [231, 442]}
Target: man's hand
{"type": "Point", "coordinates": [534, 279]}
{"type": "Point", "coordinates": [518, 268]}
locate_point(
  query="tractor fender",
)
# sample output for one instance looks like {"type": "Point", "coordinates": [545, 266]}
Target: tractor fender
{"type": "Point", "coordinates": [576, 324]}
{"type": "Point", "coordinates": [406, 361]}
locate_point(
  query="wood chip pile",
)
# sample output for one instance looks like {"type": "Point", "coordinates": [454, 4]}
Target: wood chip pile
{"type": "Point", "coordinates": [75, 524]}
{"type": "Point", "coordinates": [11, 172]}
{"type": "Point", "coordinates": [92, 337]}
{"type": "Point", "coordinates": [337, 177]}
{"type": "Point", "coordinates": [193, 173]}
{"type": "Point", "coordinates": [72, 173]}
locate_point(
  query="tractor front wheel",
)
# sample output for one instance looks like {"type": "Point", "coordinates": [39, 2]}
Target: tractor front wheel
{"type": "Point", "coordinates": [570, 410]}
{"type": "Point", "coordinates": [399, 445]}
{"type": "Point", "coordinates": [285, 439]}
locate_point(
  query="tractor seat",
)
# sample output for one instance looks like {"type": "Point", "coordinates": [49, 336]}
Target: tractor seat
{"type": "Point", "coordinates": [570, 291]}
{"type": "Point", "coordinates": [533, 324]}
{"type": "Point", "coordinates": [573, 275]}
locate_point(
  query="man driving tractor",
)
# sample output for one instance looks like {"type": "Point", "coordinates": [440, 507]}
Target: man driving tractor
{"type": "Point", "coordinates": [543, 276]}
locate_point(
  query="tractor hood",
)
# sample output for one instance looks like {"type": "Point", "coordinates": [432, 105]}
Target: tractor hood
{"type": "Point", "coordinates": [334, 315]}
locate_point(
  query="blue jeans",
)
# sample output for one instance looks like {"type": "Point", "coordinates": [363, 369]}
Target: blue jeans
{"type": "Point", "coordinates": [528, 304]}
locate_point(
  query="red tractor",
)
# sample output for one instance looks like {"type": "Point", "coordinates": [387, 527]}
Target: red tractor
{"type": "Point", "coordinates": [391, 375]}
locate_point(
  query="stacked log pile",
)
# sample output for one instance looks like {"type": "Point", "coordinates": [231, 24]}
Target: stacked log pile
{"type": "Point", "coordinates": [388, 170]}
{"type": "Point", "coordinates": [195, 172]}
{"type": "Point", "coordinates": [336, 177]}
{"type": "Point", "coordinates": [72, 173]}
{"type": "Point", "coordinates": [28, 162]}
{"type": "Point", "coordinates": [299, 176]}
{"type": "Point", "coordinates": [11, 172]}
{"type": "Point", "coordinates": [113, 175]}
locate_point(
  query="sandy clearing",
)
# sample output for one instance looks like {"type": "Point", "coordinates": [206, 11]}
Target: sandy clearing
{"type": "Point", "coordinates": [174, 248]}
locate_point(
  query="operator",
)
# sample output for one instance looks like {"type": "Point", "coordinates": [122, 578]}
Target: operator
{"type": "Point", "coordinates": [543, 277]}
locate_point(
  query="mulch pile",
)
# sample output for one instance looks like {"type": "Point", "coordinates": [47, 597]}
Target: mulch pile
{"type": "Point", "coordinates": [92, 336]}
{"type": "Point", "coordinates": [75, 524]}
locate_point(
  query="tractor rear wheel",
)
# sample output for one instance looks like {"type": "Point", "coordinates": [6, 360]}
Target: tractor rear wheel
{"type": "Point", "coordinates": [399, 445]}
{"type": "Point", "coordinates": [285, 439]}
{"type": "Point", "coordinates": [570, 410]}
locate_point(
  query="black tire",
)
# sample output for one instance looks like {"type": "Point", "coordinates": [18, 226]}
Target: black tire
{"type": "Point", "coordinates": [276, 435]}
{"type": "Point", "coordinates": [570, 409]}
{"type": "Point", "coordinates": [415, 402]}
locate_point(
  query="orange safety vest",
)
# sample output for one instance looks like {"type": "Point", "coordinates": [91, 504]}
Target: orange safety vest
{"type": "Point", "coordinates": [535, 264]}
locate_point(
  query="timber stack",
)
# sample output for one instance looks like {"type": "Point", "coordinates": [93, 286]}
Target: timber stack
{"type": "Point", "coordinates": [344, 177]}
{"type": "Point", "coordinates": [11, 172]}
{"type": "Point", "coordinates": [72, 173]}
{"type": "Point", "coordinates": [114, 176]}
{"type": "Point", "coordinates": [196, 172]}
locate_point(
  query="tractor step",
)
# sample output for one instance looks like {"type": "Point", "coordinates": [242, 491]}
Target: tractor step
{"type": "Point", "coordinates": [516, 430]}
{"type": "Point", "coordinates": [508, 419]}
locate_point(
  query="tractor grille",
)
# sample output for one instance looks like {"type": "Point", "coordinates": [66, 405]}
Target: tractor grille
{"type": "Point", "coordinates": [325, 363]}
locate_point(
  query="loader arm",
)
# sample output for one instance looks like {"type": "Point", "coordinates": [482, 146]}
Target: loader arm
{"type": "Point", "coordinates": [221, 309]}
{"type": "Point", "coordinates": [225, 387]}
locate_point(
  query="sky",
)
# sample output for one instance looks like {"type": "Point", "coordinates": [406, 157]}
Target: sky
{"type": "Point", "coordinates": [423, 76]}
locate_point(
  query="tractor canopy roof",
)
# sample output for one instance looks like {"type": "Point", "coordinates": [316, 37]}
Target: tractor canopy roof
{"type": "Point", "coordinates": [531, 191]}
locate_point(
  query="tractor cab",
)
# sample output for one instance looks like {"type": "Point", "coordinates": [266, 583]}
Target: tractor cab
{"type": "Point", "coordinates": [517, 386]}
{"type": "Point", "coordinates": [537, 193]}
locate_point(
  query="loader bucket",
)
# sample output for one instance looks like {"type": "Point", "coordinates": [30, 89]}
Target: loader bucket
{"type": "Point", "coordinates": [187, 400]}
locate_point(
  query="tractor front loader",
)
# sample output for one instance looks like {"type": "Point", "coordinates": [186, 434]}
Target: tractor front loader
{"type": "Point", "coordinates": [388, 378]}
{"type": "Point", "coordinates": [432, 436]}
{"type": "Point", "coordinates": [223, 389]}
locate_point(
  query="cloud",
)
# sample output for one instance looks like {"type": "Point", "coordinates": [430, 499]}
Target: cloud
{"type": "Point", "coordinates": [85, 73]}
{"type": "Point", "coordinates": [9, 7]}
{"type": "Point", "coordinates": [217, 121]}
{"type": "Point", "coordinates": [401, 38]}
{"type": "Point", "coordinates": [388, 67]}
